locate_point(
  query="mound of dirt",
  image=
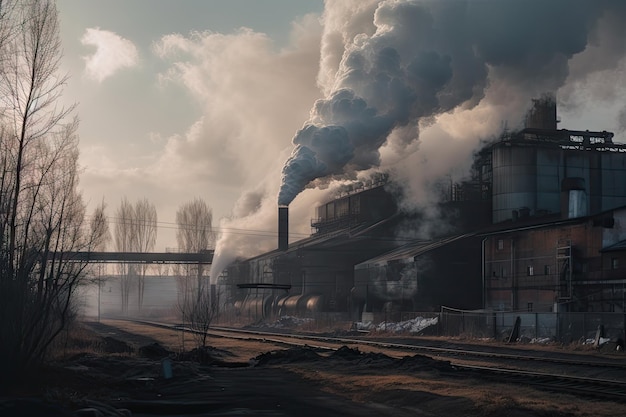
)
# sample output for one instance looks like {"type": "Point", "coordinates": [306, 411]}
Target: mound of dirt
{"type": "Point", "coordinates": [298, 354]}
{"type": "Point", "coordinates": [352, 357]}
{"type": "Point", "coordinates": [154, 351]}
{"type": "Point", "coordinates": [113, 345]}
{"type": "Point", "coordinates": [209, 355]}
{"type": "Point", "coordinates": [380, 360]}
{"type": "Point", "coordinates": [347, 353]}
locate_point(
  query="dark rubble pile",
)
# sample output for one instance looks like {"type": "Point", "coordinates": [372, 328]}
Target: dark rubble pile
{"type": "Point", "coordinates": [153, 351]}
{"type": "Point", "coordinates": [380, 360]}
{"type": "Point", "coordinates": [113, 345]}
{"type": "Point", "coordinates": [354, 358]}
{"type": "Point", "coordinates": [292, 355]}
{"type": "Point", "coordinates": [208, 355]}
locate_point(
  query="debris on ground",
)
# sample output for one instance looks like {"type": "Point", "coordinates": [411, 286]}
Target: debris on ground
{"type": "Point", "coordinates": [413, 326]}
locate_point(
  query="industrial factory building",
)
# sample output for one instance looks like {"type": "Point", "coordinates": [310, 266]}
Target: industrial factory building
{"type": "Point", "coordinates": [317, 274]}
{"type": "Point", "coordinates": [572, 264]}
{"type": "Point", "coordinates": [539, 226]}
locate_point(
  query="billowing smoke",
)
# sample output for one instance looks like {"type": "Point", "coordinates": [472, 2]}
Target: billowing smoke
{"type": "Point", "coordinates": [390, 68]}
{"type": "Point", "coordinates": [409, 87]}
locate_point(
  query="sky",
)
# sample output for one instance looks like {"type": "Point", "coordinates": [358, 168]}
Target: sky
{"type": "Point", "coordinates": [248, 104]}
{"type": "Point", "coordinates": [188, 99]}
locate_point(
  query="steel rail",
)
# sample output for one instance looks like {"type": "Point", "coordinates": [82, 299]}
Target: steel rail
{"type": "Point", "coordinates": [614, 390]}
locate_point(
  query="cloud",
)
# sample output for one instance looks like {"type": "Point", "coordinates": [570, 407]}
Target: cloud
{"type": "Point", "coordinates": [248, 98]}
{"type": "Point", "coordinates": [253, 97]}
{"type": "Point", "coordinates": [113, 53]}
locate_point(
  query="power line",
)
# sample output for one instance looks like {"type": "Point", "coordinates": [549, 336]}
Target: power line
{"type": "Point", "coordinates": [233, 230]}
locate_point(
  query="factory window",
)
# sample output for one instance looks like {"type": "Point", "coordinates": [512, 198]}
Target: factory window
{"type": "Point", "coordinates": [530, 271]}
{"type": "Point", "coordinates": [503, 272]}
{"type": "Point", "coordinates": [529, 307]}
{"type": "Point", "coordinates": [614, 263]}
{"type": "Point", "coordinates": [546, 269]}
{"type": "Point", "coordinates": [500, 244]}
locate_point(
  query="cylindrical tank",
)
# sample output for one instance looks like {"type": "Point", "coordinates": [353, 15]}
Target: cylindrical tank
{"type": "Point", "coordinates": [256, 306]}
{"type": "Point", "coordinates": [514, 180]}
{"type": "Point", "coordinates": [611, 186]}
{"type": "Point", "coordinates": [314, 303]}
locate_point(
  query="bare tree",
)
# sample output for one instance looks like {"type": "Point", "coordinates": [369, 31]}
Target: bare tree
{"type": "Point", "coordinates": [102, 236]}
{"type": "Point", "coordinates": [197, 311]}
{"type": "Point", "coordinates": [42, 215]}
{"type": "Point", "coordinates": [7, 21]}
{"type": "Point", "coordinates": [124, 218]}
{"type": "Point", "coordinates": [100, 228]}
{"type": "Point", "coordinates": [195, 228]}
{"type": "Point", "coordinates": [200, 315]}
{"type": "Point", "coordinates": [135, 231]}
{"type": "Point", "coordinates": [145, 232]}
{"type": "Point", "coordinates": [195, 234]}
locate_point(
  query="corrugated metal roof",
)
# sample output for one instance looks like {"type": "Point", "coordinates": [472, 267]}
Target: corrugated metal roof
{"type": "Point", "coordinates": [409, 251]}
{"type": "Point", "coordinates": [619, 246]}
{"type": "Point", "coordinates": [348, 235]}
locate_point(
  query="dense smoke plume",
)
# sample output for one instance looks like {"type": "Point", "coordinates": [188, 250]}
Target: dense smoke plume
{"type": "Point", "coordinates": [411, 87]}
{"type": "Point", "coordinates": [389, 68]}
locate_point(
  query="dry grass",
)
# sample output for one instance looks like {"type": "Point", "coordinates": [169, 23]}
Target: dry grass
{"type": "Point", "coordinates": [75, 340]}
{"type": "Point", "coordinates": [434, 393]}
{"type": "Point", "coordinates": [438, 394]}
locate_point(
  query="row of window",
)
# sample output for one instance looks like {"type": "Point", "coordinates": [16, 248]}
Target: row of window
{"type": "Point", "coordinates": [530, 271]}
{"type": "Point", "coordinates": [547, 269]}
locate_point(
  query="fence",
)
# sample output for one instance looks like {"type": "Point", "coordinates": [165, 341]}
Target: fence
{"type": "Point", "coordinates": [561, 327]}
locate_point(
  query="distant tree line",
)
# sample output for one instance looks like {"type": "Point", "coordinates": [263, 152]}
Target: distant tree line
{"type": "Point", "coordinates": [135, 230]}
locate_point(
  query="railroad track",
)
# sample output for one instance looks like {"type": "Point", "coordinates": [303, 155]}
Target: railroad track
{"type": "Point", "coordinates": [560, 372]}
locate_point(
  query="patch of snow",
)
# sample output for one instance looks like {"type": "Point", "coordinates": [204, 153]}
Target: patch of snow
{"type": "Point", "coordinates": [602, 341]}
{"type": "Point", "coordinates": [289, 321]}
{"type": "Point", "coordinates": [415, 325]}
{"type": "Point", "coordinates": [541, 340]}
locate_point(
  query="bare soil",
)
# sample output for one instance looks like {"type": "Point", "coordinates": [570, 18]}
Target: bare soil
{"type": "Point", "coordinates": [113, 369]}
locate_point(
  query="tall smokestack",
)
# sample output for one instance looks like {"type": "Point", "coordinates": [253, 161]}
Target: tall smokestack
{"type": "Point", "coordinates": [283, 228]}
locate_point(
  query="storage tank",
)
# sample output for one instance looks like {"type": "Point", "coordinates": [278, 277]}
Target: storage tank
{"type": "Point", "coordinates": [612, 184]}
{"type": "Point", "coordinates": [514, 180]}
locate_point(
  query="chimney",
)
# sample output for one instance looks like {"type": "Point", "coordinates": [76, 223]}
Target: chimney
{"type": "Point", "coordinates": [283, 228]}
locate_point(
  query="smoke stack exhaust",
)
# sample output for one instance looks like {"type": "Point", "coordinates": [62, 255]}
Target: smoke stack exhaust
{"type": "Point", "coordinates": [283, 228]}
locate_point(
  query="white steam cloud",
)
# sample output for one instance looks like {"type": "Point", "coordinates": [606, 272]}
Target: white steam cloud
{"type": "Point", "coordinates": [389, 68]}
{"type": "Point", "coordinates": [408, 86]}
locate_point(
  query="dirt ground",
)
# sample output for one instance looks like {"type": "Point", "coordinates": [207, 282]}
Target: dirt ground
{"type": "Point", "coordinates": [111, 371]}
